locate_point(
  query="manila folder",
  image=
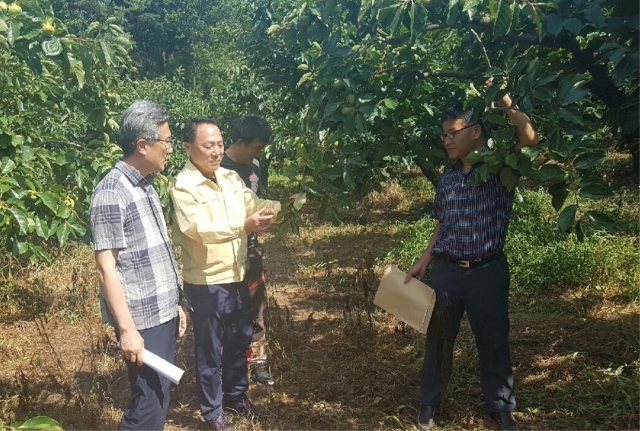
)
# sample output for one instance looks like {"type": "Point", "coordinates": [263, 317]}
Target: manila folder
{"type": "Point", "coordinates": [412, 302]}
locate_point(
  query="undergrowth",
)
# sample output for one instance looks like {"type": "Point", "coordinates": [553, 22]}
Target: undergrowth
{"type": "Point", "coordinates": [541, 256]}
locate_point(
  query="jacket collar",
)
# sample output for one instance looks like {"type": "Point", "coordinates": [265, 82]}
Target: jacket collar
{"type": "Point", "coordinates": [192, 177]}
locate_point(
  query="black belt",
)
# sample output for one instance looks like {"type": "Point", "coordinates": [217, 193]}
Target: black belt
{"type": "Point", "coordinates": [467, 263]}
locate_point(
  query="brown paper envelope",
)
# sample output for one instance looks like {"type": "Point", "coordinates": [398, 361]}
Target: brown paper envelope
{"type": "Point", "coordinates": [412, 302]}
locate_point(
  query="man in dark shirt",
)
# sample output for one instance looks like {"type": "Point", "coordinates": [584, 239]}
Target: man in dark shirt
{"type": "Point", "coordinates": [250, 135]}
{"type": "Point", "coordinates": [470, 272]}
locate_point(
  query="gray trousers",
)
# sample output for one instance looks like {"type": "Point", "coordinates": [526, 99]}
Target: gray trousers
{"type": "Point", "coordinates": [483, 292]}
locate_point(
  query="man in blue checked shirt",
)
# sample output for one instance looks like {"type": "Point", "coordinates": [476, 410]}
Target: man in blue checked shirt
{"type": "Point", "coordinates": [470, 272]}
{"type": "Point", "coordinates": [139, 282]}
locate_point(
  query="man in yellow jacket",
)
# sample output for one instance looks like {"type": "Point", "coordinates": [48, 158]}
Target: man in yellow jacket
{"type": "Point", "coordinates": [214, 213]}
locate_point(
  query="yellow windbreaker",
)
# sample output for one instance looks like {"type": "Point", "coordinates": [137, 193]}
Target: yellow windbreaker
{"type": "Point", "coordinates": [209, 224]}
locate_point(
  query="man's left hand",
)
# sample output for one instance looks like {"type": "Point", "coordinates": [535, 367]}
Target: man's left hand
{"type": "Point", "coordinates": [182, 328]}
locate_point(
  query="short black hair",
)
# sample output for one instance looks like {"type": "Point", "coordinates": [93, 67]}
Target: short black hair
{"type": "Point", "coordinates": [457, 112]}
{"type": "Point", "coordinates": [190, 130]}
{"type": "Point", "coordinates": [251, 127]}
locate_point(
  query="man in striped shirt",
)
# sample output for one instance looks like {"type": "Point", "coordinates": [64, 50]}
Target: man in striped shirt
{"type": "Point", "coordinates": [139, 282]}
{"type": "Point", "coordinates": [470, 272]}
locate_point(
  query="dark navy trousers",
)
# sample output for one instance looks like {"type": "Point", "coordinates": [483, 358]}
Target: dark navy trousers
{"type": "Point", "coordinates": [150, 395]}
{"type": "Point", "coordinates": [483, 292]}
{"type": "Point", "coordinates": [222, 321]}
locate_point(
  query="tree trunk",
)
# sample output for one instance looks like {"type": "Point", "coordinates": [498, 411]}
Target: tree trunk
{"type": "Point", "coordinates": [428, 171]}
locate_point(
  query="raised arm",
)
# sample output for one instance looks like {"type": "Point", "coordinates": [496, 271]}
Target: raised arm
{"type": "Point", "coordinates": [527, 136]}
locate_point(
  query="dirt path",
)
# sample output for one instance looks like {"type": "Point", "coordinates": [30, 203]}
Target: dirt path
{"type": "Point", "coordinates": [339, 363]}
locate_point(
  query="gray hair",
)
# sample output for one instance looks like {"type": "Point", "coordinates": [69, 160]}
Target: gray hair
{"type": "Point", "coordinates": [141, 120]}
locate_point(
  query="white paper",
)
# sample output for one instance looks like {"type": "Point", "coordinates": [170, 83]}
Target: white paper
{"type": "Point", "coordinates": [163, 367]}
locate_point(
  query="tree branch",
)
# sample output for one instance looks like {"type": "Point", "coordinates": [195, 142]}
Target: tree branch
{"type": "Point", "coordinates": [484, 50]}
{"type": "Point", "coordinates": [404, 37]}
{"type": "Point", "coordinates": [453, 73]}
{"type": "Point", "coordinates": [601, 85]}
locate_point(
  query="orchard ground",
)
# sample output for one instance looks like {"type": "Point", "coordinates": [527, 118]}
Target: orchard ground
{"type": "Point", "coordinates": [339, 362]}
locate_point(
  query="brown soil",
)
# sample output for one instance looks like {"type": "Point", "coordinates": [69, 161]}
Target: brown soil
{"type": "Point", "coordinates": [339, 362]}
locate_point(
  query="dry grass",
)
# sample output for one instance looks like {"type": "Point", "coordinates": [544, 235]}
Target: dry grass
{"type": "Point", "coordinates": [339, 362]}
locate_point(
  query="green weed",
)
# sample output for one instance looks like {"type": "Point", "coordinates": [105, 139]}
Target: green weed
{"type": "Point", "coordinates": [541, 256]}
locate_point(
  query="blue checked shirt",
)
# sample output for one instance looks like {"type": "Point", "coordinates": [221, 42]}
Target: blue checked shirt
{"type": "Point", "coordinates": [473, 218]}
{"type": "Point", "coordinates": [126, 215]}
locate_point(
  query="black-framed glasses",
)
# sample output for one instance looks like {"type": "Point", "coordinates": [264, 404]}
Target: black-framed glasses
{"type": "Point", "coordinates": [453, 134]}
{"type": "Point", "coordinates": [169, 142]}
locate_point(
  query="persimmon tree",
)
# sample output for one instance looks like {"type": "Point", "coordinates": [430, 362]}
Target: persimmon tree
{"type": "Point", "coordinates": [364, 83]}
{"type": "Point", "coordinates": [59, 101]}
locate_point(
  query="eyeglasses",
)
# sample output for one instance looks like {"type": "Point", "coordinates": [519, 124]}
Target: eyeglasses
{"type": "Point", "coordinates": [453, 134]}
{"type": "Point", "coordinates": [169, 142]}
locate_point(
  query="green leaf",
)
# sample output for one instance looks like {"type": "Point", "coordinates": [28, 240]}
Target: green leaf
{"type": "Point", "coordinates": [77, 228]}
{"type": "Point", "coordinates": [626, 66]}
{"type": "Point", "coordinates": [52, 47]}
{"type": "Point", "coordinates": [295, 228]}
{"type": "Point", "coordinates": [50, 200]}
{"type": "Point", "coordinates": [311, 190]}
{"type": "Point", "coordinates": [553, 24]}
{"type": "Point", "coordinates": [503, 19]}
{"type": "Point", "coordinates": [497, 119]}
{"type": "Point", "coordinates": [588, 160]}
{"type": "Point", "coordinates": [571, 114]}
{"type": "Point", "coordinates": [331, 108]}
{"type": "Point", "coordinates": [304, 78]}
{"type": "Point", "coordinates": [300, 201]}
{"type": "Point", "coordinates": [63, 211]}
{"type": "Point", "coordinates": [18, 248]}
{"type": "Point", "coordinates": [509, 177]}
{"type": "Point", "coordinates": [474, 157]}
{"type": "Point", "coordinates": [27, 153]}
{"type": "Point", "coordinates": [3, 25]}
{"type": "Point", "coordinates": [7, 165]}
{"type": "Point", "coordinates": [551, 172]}
{"type": "Point", "coordinates": [535, 17]}
{"type": "Point", "coordinates": [395, 24]}
{"type": "Point", "coordinates": [62, 233]}
{"type": "Point", "coordinates": [575, 95]}
{"type": "Point", "coordinates": [42, 423]}
{"type": "Point", "coordinates": [390, 103]}
{"type": "Point", "coordinates": [41, 228]}
{"type": "Point", "coordinates": [511, 160]}
{"type": "Point", "coordinates": [594, 15]}
{"type": "Point", "coordinates": [594, 189]}
{"type": "Point", "coordinates": [573, 25]}
{"type": "Point", "coordinates": [559, 196]}
{"type": "Point", "coordinates": [21, 218]}
{"type": "Point", "coordinates": [567, 218]}
{"type": "Point", "coordinates": [600, 219]}
{"type": "Point", "coordinates": [470, 4]}
{"type": "Point", "coordinates": [335, 217]}
{"type": "Point", "coordinates": [579, 232]}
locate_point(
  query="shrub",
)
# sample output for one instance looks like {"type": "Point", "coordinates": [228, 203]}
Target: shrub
{"type": "Point", "coordinates": [541, 256]}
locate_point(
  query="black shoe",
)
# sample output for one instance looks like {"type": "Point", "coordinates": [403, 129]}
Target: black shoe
{"type": "Point", "coordinates": [220, 423]}
{"type": "Point", "coordinates": [261, 376]}
{"type": "Point", "coordinates": [506, 421]}
{"type": "Point", "coordinates": [242, 406]}
{"type": "Point", "coordinates": [425, 417]}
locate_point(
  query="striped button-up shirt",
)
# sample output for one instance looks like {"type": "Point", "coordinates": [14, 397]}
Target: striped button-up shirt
{"type": "Point", "coordinates": [473, 217]}
{"type": "Point", "coordinates": [126, 215]}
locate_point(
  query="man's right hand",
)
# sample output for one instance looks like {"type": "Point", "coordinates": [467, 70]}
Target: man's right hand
{"type": "Point", "coordinates": [418, 270]}
{"type": "Point", "coordinates": [259, 220]}
{"type": "Point", "coordinates": [131, 346]}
